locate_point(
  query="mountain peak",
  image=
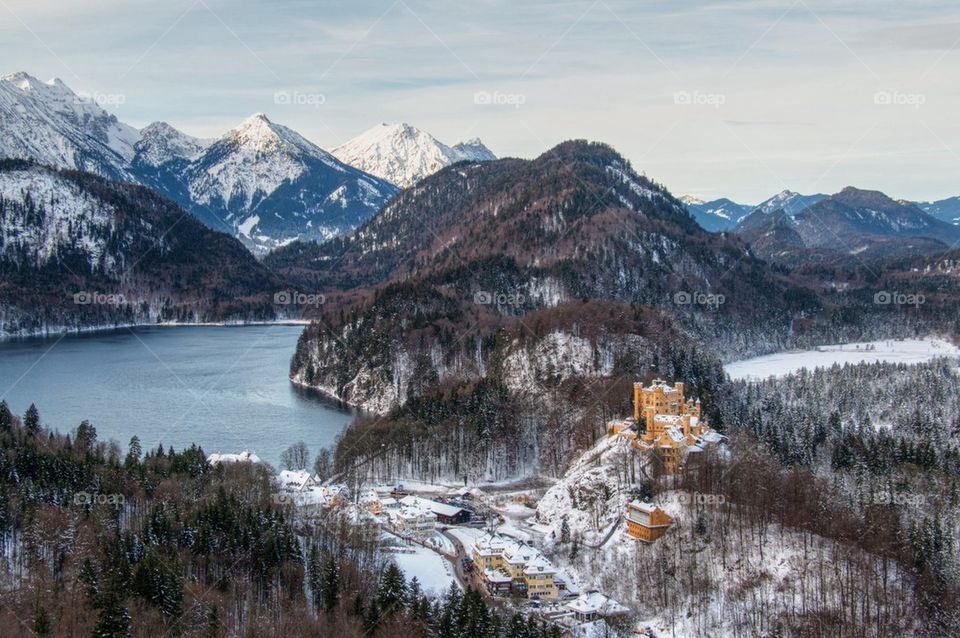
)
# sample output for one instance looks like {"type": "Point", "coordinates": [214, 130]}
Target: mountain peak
{"type": "Point", "coordinates": [404, 154]}
{"type": "Point", "coordinates": [160, 142]}
{"type": "Point", "coordinates": [22, 80]}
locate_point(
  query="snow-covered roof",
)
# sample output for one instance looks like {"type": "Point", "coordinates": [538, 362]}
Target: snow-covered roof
{"type": "Point", "coordinates": [295, 479]}
{"type": "Point", "coordinates": [643, 506]}
{"type": "Point", "coordinates": [539, 567]}
{"type": "Point", "coordinates": [441, 509]}
{"type": "Point", "coordinates": [712, 437]}
{"type": "Point", "coordinates": [675, 433]}
{"type": "Point", "coordinates": [667, 418]}
{"type": "Point", "coordinates": [415, 513]}
{"type": "Point", "coordinates": [596, 603]}
{"type": "Point", "coordinates": [244, 457]}
{"type": "Point", "coordinates": [496, 576]}
{"type": "Point", "coordinates": [662, 385]}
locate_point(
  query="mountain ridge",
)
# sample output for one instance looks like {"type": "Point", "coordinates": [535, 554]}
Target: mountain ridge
{"type": "Point", "coordinates": [403, 154]}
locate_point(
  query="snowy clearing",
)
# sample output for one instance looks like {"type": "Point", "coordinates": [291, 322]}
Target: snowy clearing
{"type": "Point", "coordinates": [907, 351]}
{"type": "Point", "coordinates": [428, 567]}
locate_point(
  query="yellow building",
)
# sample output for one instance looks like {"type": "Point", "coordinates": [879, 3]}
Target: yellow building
{"type": "Point", "coordinates": [506, 566]}
{"type": "Point", "coordinates": [646, 521]}
{"type": "Point", "coordinates": [665, 422]}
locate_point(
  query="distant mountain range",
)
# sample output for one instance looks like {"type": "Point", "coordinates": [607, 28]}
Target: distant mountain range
{"type": "Point", "coordinates": [853, 224]}
{"type": "Point", "coordinates": [724, 214]}
{"type": "Point", "coordinates": [262, 182]}
{"type": "Point", "coordinates": [403, 154]}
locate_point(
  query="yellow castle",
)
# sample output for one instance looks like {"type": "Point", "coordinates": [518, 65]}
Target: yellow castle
{"type": "Point", "coordinates": [665, 421]}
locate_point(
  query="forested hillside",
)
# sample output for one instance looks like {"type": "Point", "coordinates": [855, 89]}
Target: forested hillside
{"type": "Point", "coordinates": [110, 543]}
{"type": "Point", "coordinates": [78, 251]}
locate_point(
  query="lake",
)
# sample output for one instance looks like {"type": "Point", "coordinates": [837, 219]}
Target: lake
{"type": "Point", "coordinates": [224, 388]}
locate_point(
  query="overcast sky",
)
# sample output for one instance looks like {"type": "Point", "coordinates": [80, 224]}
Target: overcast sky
{"type": "Point", "coordinates": [737, 99]}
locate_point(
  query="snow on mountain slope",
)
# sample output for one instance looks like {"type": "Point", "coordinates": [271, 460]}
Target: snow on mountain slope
{"type": "Point", "coordinates": [260, 177]}
{"type": "Point", "coordinates": [946, 210]}
{"type": "Point", "coordinates": [403, 154]}
{"type": "Point", "coordinates": [715, 215]}
{"type": "Point", "coordinates": [160, 143]}
{"type": "Point", "coordinates": [474, 150]}
{"type": "Point", "coordinates": [790, 202]}
{"type": "Point", "coordinates": [72, 218]}
{"type": "Point", "coordinates": [49, 123]}
{"type": "Point", "coordinates": [271, 185]}
{"type": "Point", "coordinates": [250, 161]}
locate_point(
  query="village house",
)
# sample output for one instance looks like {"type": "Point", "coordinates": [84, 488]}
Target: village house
{"type": "Point", "coordinates": [594, 605]}
{"type": "Point", "coordinates": [646, 521]}
{"type": "Point", "coordinates": [508, 566]}
{"type": "Point", "coordinates": [446, 514]}
{"type": "Point", "coordinates": [414, 521]}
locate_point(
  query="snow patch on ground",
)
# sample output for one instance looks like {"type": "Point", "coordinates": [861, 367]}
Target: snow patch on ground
{"type": "Point", "coordinates": [780, 364]}
{"type": "Point", "coordinates": [432, 570]}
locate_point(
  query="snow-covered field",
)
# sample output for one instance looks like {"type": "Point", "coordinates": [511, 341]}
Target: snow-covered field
{"type": "Point", "coordinates": [783, 363]}
{"type": "Point", "coordinates": [432, 570]}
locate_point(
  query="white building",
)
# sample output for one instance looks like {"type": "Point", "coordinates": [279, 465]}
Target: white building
{"type": "Point", "coordinates": [296, 480]}
{"type": "Point", "coordinates": [594, 605]}
{"type": "Point", "coordinates": [413, 520]}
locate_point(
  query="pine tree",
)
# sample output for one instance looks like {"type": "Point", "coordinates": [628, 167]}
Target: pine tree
{"type": "Point", "coordinates": [41, 622]}
{"type": "Point", "coordinates": [392, 591]}
{"type": "Point", "coordinates": [31, 420]}
{"type": "Point", "coordinates": [564, 530]}
{"type": "Point", "coordinates": [135, 451]}
{"type": "Point", "coordinates": [330, 586]}
{"type": "Point", "coordinates": [315, 577]}
{"type": "Point", "coordinates": [371, 617]}
{"type": "Point", "coordinates": [6, 417]}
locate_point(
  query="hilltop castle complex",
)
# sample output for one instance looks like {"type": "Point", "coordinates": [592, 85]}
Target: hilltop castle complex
{"type": "Point", "coordinates": [666, 423]}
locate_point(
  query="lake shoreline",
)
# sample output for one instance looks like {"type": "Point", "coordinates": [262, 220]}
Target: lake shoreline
{"type": "Point", "coordinates": [63, 331]}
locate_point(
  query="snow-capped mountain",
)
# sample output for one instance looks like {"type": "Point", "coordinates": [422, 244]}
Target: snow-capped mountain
{"type": "Point", "coordinates": [261, 181]}
{"type": "Point", "coordinates": [473, 150]}
{"type": "Point", "coordinates": [724, 214]}
{"type": "Point", "coordinates": [403, 154]}
{"type": "Point", "coordinates": [715, 215]}
{"type": "Point", "coordinates": [47, 122]}
{"type": "Point", "coordinates": [789, 202]}
{"type": "Point", "coordinates": [160, 143]}
{"type": "Point", "coordinates": [271, 185]}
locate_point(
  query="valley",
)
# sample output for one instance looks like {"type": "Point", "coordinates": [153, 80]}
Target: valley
{"type": "Point", "coordinates": [275, 361]}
